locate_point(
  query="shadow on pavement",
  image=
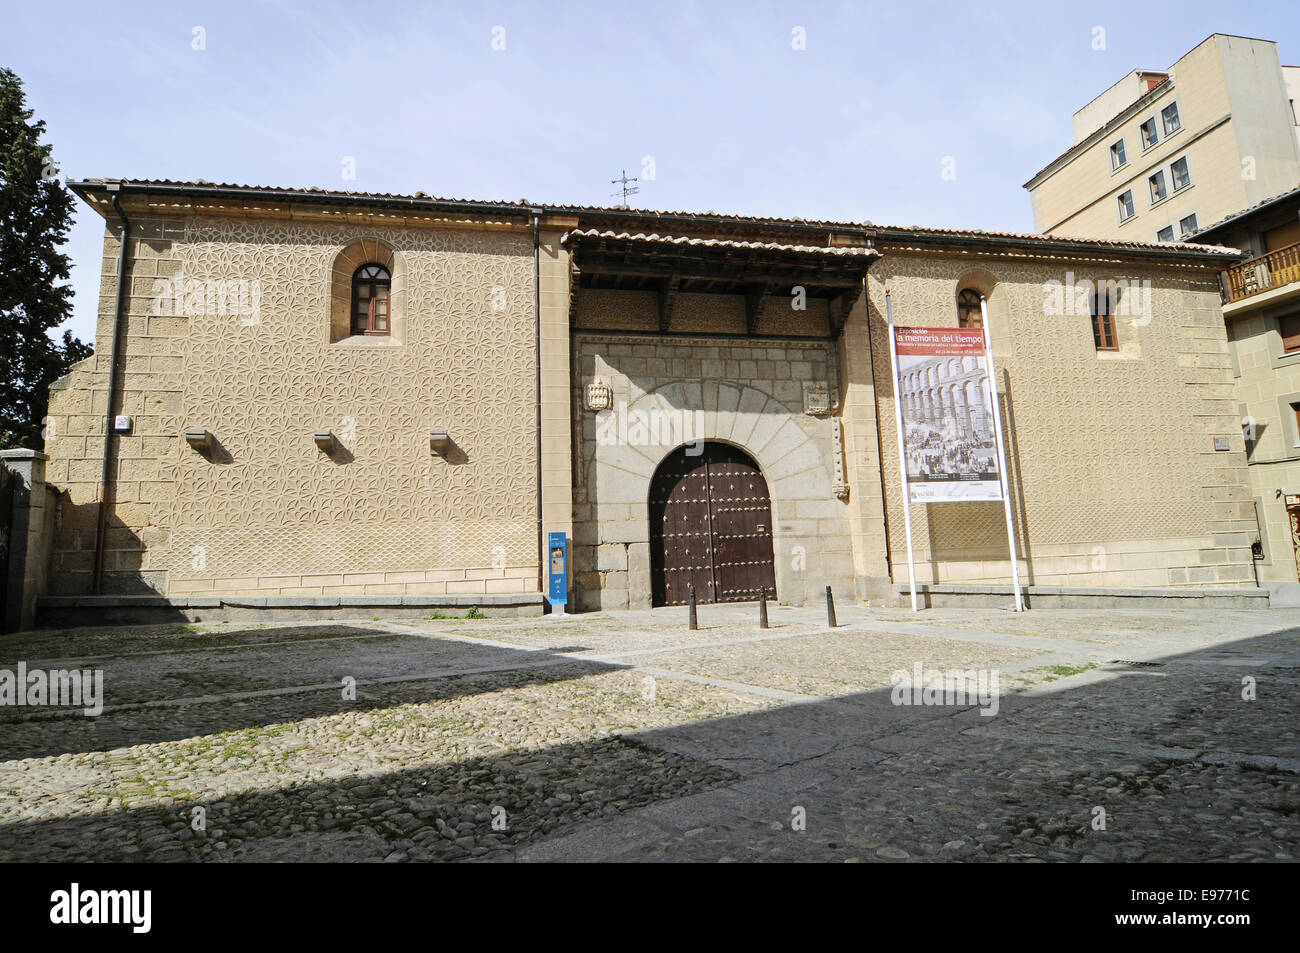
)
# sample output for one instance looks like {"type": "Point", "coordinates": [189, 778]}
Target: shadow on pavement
{"type": "Point", "coordinates": [256, 677]}
{"type": "Point", "coordinates": [1181, 766]}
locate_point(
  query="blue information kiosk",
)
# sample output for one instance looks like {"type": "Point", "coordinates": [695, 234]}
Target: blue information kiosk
{"type": "Point", "coordinates": [557, 544]}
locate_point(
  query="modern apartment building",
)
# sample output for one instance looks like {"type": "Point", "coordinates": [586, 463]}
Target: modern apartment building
{"type": "Point", "coordinates": [1261, 307]}
{"type": "Point", "coordinates": [1163, 153]}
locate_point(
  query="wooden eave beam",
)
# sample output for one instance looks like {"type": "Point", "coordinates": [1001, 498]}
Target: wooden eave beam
{"type": "Point", "coordinates": [755, 306]}
{"type": "Point", "coordinates": [667, 301]}
{"type": "Point", "coordinates": [836, 279]}
{"type": "Point", "coordinates": [840, 308]}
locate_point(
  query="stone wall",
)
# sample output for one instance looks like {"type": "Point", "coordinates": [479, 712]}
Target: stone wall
{"type": "Point", "coordinates": [233, 327]}
{"type": "Point", "coordinates": [554, 419]}
{"type": "Point", "coordinates": [229, 330]}
{"type": "Point", "coordinates": [1268, 384]}
{"type": "Point", "coordinates": [25, 540]}
{"type": "Point", "coordinates": [1115, 478]}
{"type": "Point", "coordinates": [746, 392]}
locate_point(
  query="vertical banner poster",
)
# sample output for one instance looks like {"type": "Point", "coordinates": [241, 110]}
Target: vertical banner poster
{"type": "Point", "coordinates": [943, 389]}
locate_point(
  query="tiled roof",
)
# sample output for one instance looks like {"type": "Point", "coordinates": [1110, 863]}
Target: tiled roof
{"type": "Point", "coordinates": [708, 215]}
{"type": "Point", "coordinates": [883, 231]}
{"type": "Point", "coordinates": [311, 190]}
{"type": "Point", "coordinates": [717, 242]}
{"type": "Point", "coordinates": [523, 207]}
{"type": "Point", "coordinates": [1281, 196]}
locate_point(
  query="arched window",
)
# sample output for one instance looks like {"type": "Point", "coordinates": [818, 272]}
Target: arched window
{"type": "Point", "coordinates": [1105, 304]}
{"type": "Point", "coordinates": [968, 309]}
{"type": "Point", "coordinates": [370, 287]}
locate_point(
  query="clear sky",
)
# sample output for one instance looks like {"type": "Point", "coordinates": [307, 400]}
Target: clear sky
{"type": "Point", "coordinates": [855, 126]}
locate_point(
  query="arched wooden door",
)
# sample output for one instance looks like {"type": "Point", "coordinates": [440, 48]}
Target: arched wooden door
{"type": "Point", "coordinates": [711, 527]}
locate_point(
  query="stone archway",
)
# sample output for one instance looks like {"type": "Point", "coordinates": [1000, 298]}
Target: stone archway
{"type": "Point", "coordinates": [625, 446]}
{"type": "Point", "coordinates": [710, 527]}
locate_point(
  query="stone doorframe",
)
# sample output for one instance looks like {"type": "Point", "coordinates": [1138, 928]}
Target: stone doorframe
{"type": "Point", "coordinates": [792, 450]}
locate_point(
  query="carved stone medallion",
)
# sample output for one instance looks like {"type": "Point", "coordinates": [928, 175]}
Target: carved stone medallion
{"type": "Point", "coordinates": [599, 395]}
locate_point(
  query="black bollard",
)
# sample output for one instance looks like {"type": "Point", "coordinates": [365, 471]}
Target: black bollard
{"type": "Point", "coordinates": [695, 622]}
{"type": "Point", "coordinates": [762, 608]}
{"type": "Point", "coordinates": [830, 608]}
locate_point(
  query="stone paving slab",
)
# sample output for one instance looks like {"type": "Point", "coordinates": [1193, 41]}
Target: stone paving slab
{"type": "Point", "coordinates": [626, 736]}
{"type": "Point", "coordinates": [835, 663]}
{"type": "Point", "coordinates": [115, 642]}
{"type": "Point", "coordinates": [545, 753]}
{"type": "Point", "coordinates": [361, 655]}
{"type": "Point", "coordinates": [922, 806]}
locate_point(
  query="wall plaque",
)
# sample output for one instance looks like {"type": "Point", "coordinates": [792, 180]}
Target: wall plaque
{"type": "Point", "coordinates": [816, 398]}
{"type": "Point", "coordinates": [599, 395]}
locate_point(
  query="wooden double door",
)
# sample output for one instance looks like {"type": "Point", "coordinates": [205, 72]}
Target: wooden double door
{"type": "Point", "coordinates": [711, 527]}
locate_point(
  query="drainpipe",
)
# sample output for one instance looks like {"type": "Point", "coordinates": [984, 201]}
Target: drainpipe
{"type": "Point", "coordinates": [119, 335]}
{"type": "Point", "coordinates": [880, 447]}
{"type": "Point", "coordinates": [537, 343]}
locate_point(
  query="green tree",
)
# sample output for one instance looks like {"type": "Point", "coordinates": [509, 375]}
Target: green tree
{"type": "Point", "coordinates": [35, 215]}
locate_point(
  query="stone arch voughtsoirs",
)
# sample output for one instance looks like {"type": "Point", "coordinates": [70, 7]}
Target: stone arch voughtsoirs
{"type": "Point", "coordinates": [351, 257]}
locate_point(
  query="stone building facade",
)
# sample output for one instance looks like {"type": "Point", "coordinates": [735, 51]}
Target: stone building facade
{"type": "Point", "coordinates": [230, 329]}
{"type": "Point", "coordinates": [539, 367]}
{"type": "Point", "coordinates": [1261, 306]}
{"type": "Point", "coordinates": [1116, 476]}
{"type": "Point", "coordinates": [734, 391]}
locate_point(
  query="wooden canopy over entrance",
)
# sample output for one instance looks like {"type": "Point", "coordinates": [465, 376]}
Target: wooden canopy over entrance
{"type": "Point", "coordinates": [672, 265]}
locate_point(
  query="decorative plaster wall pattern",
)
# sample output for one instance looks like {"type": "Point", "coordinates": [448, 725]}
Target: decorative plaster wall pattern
{"type": "Point", "coordinates": [1104, 450]}
{"type": "Point", "coordinates": [271, 503]}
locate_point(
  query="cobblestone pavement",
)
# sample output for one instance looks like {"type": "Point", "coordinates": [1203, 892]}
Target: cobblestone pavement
{"type": "Point", "coordinates": [625, 736]}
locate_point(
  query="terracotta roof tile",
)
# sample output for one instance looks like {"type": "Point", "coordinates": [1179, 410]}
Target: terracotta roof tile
{"type": "Point", "coordinates": [1033, 236]}
{"type": "Point", "coordinates": [523, 206]}
{"type": "Point", "coordinates": [848, 250]}
{"type": "Point", "coordinates": [1246, 211]}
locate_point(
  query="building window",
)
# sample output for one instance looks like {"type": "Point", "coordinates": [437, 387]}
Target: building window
{"type": "Point", "coordinates": [1169, 116]}
{"type": "Point", "coordinates": [1165, 234]}
{"type": "Point", "coordinates": [1182, 176]}
{"type": "Point", "coordinates": [370, 287]}
{"type": "Point", "coordinates": [1147, 132]}
{"type": "Point", "coordinates": [1103, 321]}
{"type": "Point", "coordinates": [1187, 226]}
{"type": "Point", "coordinates": [1289, 327]}
{"type": "Point", "coordinates": [1157, 185]}
{"type": "Point", "coordinates": [1126, 206]}
{"type": "Point", "coordinates": [1295, 409]}
{"type": "Point", "coordinates": [969, 314]}
{"type": "Point", "coordinates": [1117, 157]}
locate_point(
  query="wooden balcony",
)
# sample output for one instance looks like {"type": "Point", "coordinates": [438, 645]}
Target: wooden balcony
{"type": "Point", "coordinates": [1265, 273]}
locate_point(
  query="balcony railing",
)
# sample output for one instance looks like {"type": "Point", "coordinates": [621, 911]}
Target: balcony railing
{"type": "Point", "coordinates": [1277, 268]}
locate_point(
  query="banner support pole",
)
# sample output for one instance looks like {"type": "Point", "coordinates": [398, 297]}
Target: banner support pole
{"type": "Point", "coordinates": [1003, 456]}
{"type": "Point", "coordinates": [902, 449]}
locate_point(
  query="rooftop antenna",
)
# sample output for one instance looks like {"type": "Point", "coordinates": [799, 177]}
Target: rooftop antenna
{"type": "Point", "coordinates": [625, 190]}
